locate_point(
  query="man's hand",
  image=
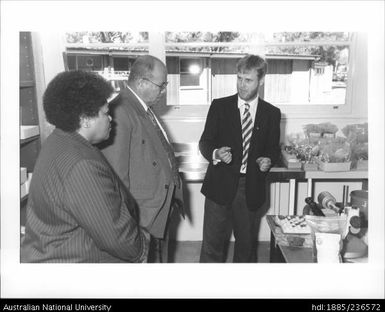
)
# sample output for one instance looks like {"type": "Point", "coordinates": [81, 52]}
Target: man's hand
{"type": "Point", "coordinates": [224, 154]}
{"type": "Point", "coordinates": [177, 204]}
{"type": "Point", "coordinates": [264, 163]}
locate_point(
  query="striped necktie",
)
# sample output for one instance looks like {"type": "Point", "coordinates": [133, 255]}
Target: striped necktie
{"type": "Point", "coordinates": [167, 147]}
{"type": "Point", "coordinates": [247, 130]}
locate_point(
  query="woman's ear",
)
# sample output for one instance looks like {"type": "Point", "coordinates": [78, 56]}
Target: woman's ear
{"type": "Point", "coordinates": [84, 122]}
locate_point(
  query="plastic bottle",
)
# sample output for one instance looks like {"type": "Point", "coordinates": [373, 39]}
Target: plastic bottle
{"type": "Point", "coordinates": [327, 200]}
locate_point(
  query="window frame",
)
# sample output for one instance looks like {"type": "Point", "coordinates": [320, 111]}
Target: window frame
{"type": "Point", "coordinates": [293, 110]}
{"type": "Point", "coordinates": [258, 47]}
{"type": "Point", "coordinates": [191, 87]}
{"type": "Point", "coordinates": [325, 110]}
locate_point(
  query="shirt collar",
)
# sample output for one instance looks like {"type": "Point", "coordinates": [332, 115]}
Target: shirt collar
{"type": "Point", "coordinates": [145, 107]}
{"type": "Point", "coordinates": [251, 103]}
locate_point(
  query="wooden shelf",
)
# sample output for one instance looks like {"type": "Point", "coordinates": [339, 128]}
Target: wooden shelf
{"type": "Point", "coordinates": [33, 138]}
{"type": "Point", "coordinates": [351, 174]}
{"type": "Point", "coordinates": [283, 173]}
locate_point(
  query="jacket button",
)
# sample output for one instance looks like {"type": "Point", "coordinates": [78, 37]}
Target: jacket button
{"type": "Point", "coordinates": [154, 163]}
{"type": "Point", "coordinates": [166, 186]}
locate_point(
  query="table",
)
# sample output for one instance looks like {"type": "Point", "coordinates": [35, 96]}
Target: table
{"type": "Point", "coordinates": [280, 249]}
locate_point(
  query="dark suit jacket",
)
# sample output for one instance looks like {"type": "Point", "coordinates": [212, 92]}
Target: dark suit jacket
{"type": "Point", "coordinates": [136, 153]}
{"type": "Point", "coordinates": [78, 209]}
{"type": "Point", "coordinates": [223, 128]}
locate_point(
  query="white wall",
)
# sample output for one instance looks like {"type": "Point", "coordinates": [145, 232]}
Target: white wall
{"type": "Point", "coordinates": [48, 48]}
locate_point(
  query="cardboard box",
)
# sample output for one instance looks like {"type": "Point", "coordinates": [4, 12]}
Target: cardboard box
{"type": "Point", "coordinates": [28, 131]}
{"type": "Point", "coordinates": [23, 175]}
{"type": "Point", "coordinates": [309, 167]}
{"type": "Point", "coordinates": [290, 161]}
{"type": "Point", "coordinates": [23, 189]}
{"type": "Point", "coordinates": [362, 165]}
{"type": "Point", "coordinates": [343, 166]}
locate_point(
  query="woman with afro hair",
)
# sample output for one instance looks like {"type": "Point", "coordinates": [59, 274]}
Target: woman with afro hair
{"type": "Point", "coordinates": [78, 210]}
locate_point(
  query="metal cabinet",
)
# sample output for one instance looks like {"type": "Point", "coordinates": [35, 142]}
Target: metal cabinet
{"type": "Point", "coordinates": [30, 145]}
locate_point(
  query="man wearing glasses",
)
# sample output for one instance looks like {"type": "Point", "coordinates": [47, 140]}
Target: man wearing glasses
{"type": "Point", "coordinates": [141, 154]}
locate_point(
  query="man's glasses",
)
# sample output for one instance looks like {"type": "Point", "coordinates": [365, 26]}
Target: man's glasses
{"type": "Point", "coordinates": [162, 87]}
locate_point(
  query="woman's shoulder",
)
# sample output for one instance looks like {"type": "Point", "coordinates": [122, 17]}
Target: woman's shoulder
{"type": "Point", "coordinates": [70, 148]}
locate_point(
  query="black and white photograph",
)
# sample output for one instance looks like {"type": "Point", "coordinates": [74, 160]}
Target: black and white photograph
{"type": "Point", "coordinates": [192, 149]}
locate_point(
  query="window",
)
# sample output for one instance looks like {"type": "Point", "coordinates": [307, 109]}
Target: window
{"type": "Point", "coordinates": [190, 72]}
{"type": "Point", "coordinates": [193, 87]}
{"type": "Point", "coordinates": [108, 53]}
{"type": "Point", "coordinates": [305, 69]}
{"type": "Point", "coordinates": [97, 51]}
{"type": "Point", "coordinates": [122, 63]}
{"type": "Point", "coordinates": [85, 62]}
{"type": "Point", "coordinates": [316, 59]}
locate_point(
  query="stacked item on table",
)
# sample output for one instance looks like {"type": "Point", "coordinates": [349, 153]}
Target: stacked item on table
{"type": "Point", "coordinates": [357, 136]}
{"type": "Point", "coordinates": [292, 224]}
{"type": "Point", "coordinates": [320, 147]}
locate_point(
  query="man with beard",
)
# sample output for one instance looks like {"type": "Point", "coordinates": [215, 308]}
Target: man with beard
{"type": "Point", "coordinates": [241, 142]}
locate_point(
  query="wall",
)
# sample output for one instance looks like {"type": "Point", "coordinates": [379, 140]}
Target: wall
{"type": "Point", "coordinates": [48, 57]}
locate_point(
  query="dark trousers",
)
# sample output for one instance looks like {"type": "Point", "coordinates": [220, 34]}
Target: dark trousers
{"type": "Point", "coordinates": [220, 220]}
{"type": "Point", "coordinates": [158, 250]}
{"type": "Point", "coordinates": [159, 247]}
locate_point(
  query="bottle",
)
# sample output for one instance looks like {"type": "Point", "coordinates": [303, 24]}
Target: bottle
{"type": "Point", "coordinates": [355, 225]}
{"type": "Point", "coordinates": [328, 201]}
{"type": "Point", "coordinates": [345, 196]}
{"type": "Point", "coordinates": [314, 207]}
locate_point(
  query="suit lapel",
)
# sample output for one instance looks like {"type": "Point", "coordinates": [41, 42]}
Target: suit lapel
{"type": "Point", "coordinates": [148, 127]}
{"type": "Point", "coordinates": [235, 119]}
{"type": "Point", "coordinates": [134, 102]}
{"type": "Point", "coordinates": [259, 117]}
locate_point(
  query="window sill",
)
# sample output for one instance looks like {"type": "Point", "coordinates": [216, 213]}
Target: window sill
{"type": "Point", "coordinates": [195, 113]}
{"type": "Point", "coordinates": [192, 88]}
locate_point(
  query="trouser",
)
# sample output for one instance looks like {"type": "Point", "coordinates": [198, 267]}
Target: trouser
{"type": "Point", "coordinates": [159, 247]}
{"type": "Point", "coordinates": [158, 250]}
{"type": "Point", "coordinates": [220, 220]}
